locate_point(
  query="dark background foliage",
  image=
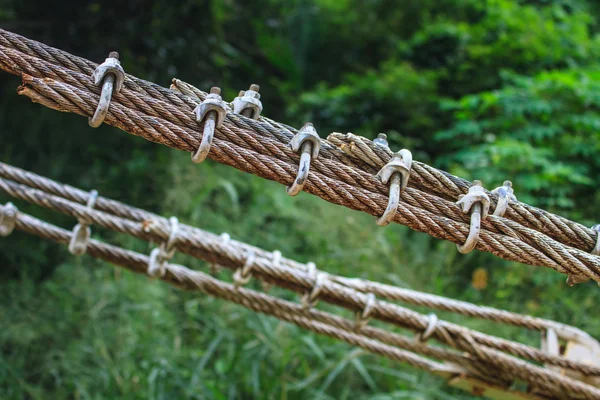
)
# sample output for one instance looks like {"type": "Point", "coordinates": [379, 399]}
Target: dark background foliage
{"type": "Point", "coordinates": [490, 90]}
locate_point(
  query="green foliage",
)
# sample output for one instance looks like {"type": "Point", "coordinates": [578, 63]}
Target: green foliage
{"type": "Point", "coordinates": [511, 37]}
{"type": "Point", "coordinates": [540, 131]}
{"type": "Point", "coordinates": [502, 89]}
{"type": "Point", "coordinates": [451, 55]}
{"type": "Point", "coordinates": [375, 100]}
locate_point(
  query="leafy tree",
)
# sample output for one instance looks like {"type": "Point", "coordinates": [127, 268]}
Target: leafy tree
{"type": "Point", "coordinates": [493, 90]}
{"type": "Point", "coordinates": [450, 56]}
{"type": "Point", "coordinates": [542, 131]}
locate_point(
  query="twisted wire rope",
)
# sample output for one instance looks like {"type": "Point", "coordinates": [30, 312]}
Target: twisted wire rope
{"type": "Point", "coordinates": [501, 367]}
{"type": "Point", "coordinates": [260, 147]}
{"type": "Point", "coordinates": [211, 248]}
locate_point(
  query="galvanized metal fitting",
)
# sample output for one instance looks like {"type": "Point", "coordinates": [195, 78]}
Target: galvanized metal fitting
{"type": "Point", "coordinates": [395, 173]}
{"type": "Point", "coordinates": [310, 299]}
{"type": "Point", "coordinates": [8, 218]}
{"type": "Point", "coordinates": [242, 275]}
{"type": "Point", "coordinates": [214, 267]}
{"type": "Point", "coordinates": [248, 103]}
{"type": "Point", "coordinates": [381, 141]}
{"type": "Point", "coordinates": [307, 143]}
{"type": "Point", "coordinates": [430, 329]}
{"type": "Point", "coordinates": [161, 255]}
{"type": "Point", "coordinates": [276, 262]}
{"type": "Point", "coordinates": [276, 258]}
{"type": "Point", "coordinates": [506, 194]}
{"type": "Point", "coordinates": [80, 236]}
{"type": "Point", "coordinates": [212, 112]}
{"type": "Point", "coordinates": [476, 202]}
{"type": "Point", "coordinates": [596, 249]}
{"type": "Point", "coordinates": [111, 76]}
{"type": "Point", "coordinates": [362, 318]}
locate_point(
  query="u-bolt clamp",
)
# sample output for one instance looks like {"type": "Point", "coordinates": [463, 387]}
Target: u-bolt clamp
{"type": "Point", "coordinates": [395, 173]}
{"type": "Point", "coordinates": [311, 298]}
{"type": "Point", "coordinates": [161, 255]}
{"type": "Point", "coordinates": [381, 141]}
{"type": "Point", "coordinates": [212, 112]}
{"type": "Point", "coordinates": [111, 76]}
{"type": "Point", "coordinates": [8, 219]}
{"type": "Point", "coordinates": [506, 194]}
{"type": "Point", "coordinates": [432, 324]}
{"type": "Point", "coordinates": [242, 275]}
{"type": "Point", "coordinates": [361, 318]}
{"type": "Point", "coordinates": [476, 202]}
{"type": "Point", "coordinates": [596, 249]}
{"type": "Point", "coordinates": [80, 236]}
{"type": "Point", "coordinates": [307, 143]}
{"type": "Point", "coordinates": [248, 103]}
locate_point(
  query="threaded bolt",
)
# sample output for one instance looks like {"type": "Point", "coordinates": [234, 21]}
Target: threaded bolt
{"type": "Point", "coordinates": [381, 141]}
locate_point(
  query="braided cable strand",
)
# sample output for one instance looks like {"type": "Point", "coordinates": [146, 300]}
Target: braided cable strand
{"type": "Point", "coordinates": [379, 289]}
{"type": "Point", "coordinates": [443, 184]}
{"type": "Point", "coordinates": [506, 241]}
{"type": "Point", "coordinates": [187, 279]}
{"type": "Point", "coordinates": [361, 152]}
{"type": "Point", "coordinates": [335, 180]}
{"type": "Point", "coordinates": [133, 260]}
{"type": "Point", "coordinates": [508, 368]}
{"type": "Point", "coordinates": [526, 234]}
{"type": "Point", "coordinates": [212, 249]}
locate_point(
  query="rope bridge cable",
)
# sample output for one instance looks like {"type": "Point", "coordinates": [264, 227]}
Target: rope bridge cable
{"type": "Point", "coordinates": [233, 255]}
{"type": "Point", "coordinates": [538, 249]}
{"type": "Point", "coordinates": [435, 181]}
{"type": "Point", "coordinates": [381, 290]}
{"type": "Point", "coordinates": [214, 250]}
{"type": "Point", "coordinates": [528, 235]}
{"type": "Point", "coordinates": [450, 187]}
{"type": "Point", "coordinates": [187, 279]}
{"type": "Point", "coordinates": [488, 366]}
{"type": "Point", "coordinates": [314, 320]}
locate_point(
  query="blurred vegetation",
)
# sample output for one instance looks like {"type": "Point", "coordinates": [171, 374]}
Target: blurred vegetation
{"type": "Point", "coordinates": [491, 90]}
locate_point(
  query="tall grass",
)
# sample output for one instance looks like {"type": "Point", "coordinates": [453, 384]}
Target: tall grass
{"type": "Point", "coordinates": [90, 331]}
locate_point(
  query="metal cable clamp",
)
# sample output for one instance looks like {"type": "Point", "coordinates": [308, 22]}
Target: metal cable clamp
{"type": "Point", "coordinates": [159, 256]}
{"type": "Point", "coordinates": [395, 173]}
{"type": "Point", "coordinates": [476, 202]}
{"type": "Point", "coordinates": [310, 299]}
{"type": "Point", "coordinates": [111, 76]}
{"type": "Point", "coordinates": [362, 318]}
{"type": "Point", "coordinates": [8, 218]}
{"type": "Point", "coordinates": [307, 143]}
{"type": "Point", "coordinates": [276, 261]}
{"type": "Point", "coordinates": [506, 194]}
{"type": "Point", "coordinates": [82, 231]}
{"type": "Point", "coordinates": [214, 267]}
{"type": "Point", "coordinates": [211, 112]}
{"type": "Point", "coordinates": [248, 103]}
{"type": "Point", "coordinates": [241, 276]}
{"type": "Point", "coordinates": [430, 329]}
